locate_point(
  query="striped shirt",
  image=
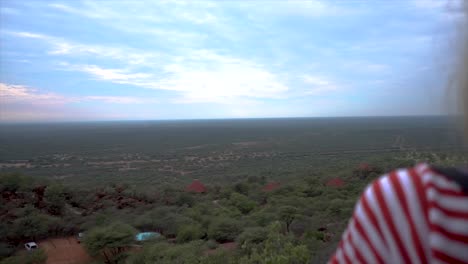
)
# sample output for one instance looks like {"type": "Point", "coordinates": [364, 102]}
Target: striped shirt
{"type": "Point", "coordinates": [412, 215]}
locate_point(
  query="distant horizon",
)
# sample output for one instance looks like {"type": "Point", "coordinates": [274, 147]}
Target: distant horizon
{"type": "Point", "coordinates": [216, 119]}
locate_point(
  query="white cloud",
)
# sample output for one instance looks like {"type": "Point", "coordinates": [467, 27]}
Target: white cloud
{"type": "Point", "coordinates": [318, 85]}
{"type": "Point", "coordinates": [60, 46]}
{"type": "Point", "coordinates": [18, 93]}
{"type": "Point", "coordinates": [307, 8]}
{"type": "Point", "coordinates": [200, 76]}
{"type": "Point", "coordinates": [11, 94]}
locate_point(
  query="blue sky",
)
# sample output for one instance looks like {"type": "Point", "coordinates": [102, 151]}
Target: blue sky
{"type": "Point", "coordinates": [140, 60]}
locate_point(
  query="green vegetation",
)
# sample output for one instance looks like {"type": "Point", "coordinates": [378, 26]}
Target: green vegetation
{"type": "Point", "coordinates": [112, 181]}
{"type": "Point", "coordinates": [110, 240]}
{"type": "Point", "coordinates": [35, 257]}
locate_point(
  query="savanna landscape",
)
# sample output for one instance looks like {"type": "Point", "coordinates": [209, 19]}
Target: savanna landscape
{"type": "Point", "coordinates": [216, 191]}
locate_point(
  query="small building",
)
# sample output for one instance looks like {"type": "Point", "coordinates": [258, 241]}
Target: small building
{"type": "Point", "coordinates": [197, 187]}
{"type": "Point", "coordinates": [271, 186]}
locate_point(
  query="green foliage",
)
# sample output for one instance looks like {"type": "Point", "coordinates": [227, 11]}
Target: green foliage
{"type": "Point", "coordinates": [12, 182]}
{"type": "Point", "coordinates": [165, 253]}
{"type": "Point", "coordinates": [242, 188]}
{"type": "Point", "coordinates": [55, 199]}
{"type": "Point", "coordinates": [242, 202]}
{"type": "Point", "coordinates": [189, 232]}
{"type": "Point", "coordinates": [31, 226]}
{"type": "Point", "coordinates": [224, 229]}
{"type": "Point", "coordinates": [287, 214]}
{"type": "Point", "coordinates": [37, 256]}
{"type": "Point", "coordinates": [185, 199]}
{"type": "Point", "coordinates": [252, 237]}
{"type": "Point", "coordinates": [110, 240]}
{"type": "Point", "coordinates": [211, 244]}
{"type": "Point", "coordinates": [6, 250]}
{"type": "Point", "coordinates": [277, 249]}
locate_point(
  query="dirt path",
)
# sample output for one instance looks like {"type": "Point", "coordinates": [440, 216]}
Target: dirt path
{"type": "Point", "coordinates": [64, 251]}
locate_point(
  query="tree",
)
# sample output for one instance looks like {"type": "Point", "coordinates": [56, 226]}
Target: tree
{"type": "Point", "coordinates": [185, 199]}
{"type": "Point", "coordinates": [252, 236]}
{"type": "Point", "coordinates": [277, 249]}
{"type": "Point", "coordinates": [189, 232]}
{"type": "Point", "coordinates": [242, 188]}
{"type": "Point", "coordinates": [241, 202]}
{"type": "Point", "coordinates": [6, 250]}
{"type": "Point", "coordinates": [55, 199]}
{"type": "Point", "coordinates": [31, 226]}
{"type": "Point", "coordinates": [287, 214]}
{"type": "Point", "coordinates": [110, 240]}
{"type": "Point", "coordinates": [13, 182]}
{"type": "Point", "coordinates": [37, 256]}
{"type": "Point", "coordinates": [165, 253]}
{"type": "Point", "coordinates": [224, 229]}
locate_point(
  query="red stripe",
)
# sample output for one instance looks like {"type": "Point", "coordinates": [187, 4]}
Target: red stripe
{"type": "Point", "coordinates": [346, 258]}
{"type": "Point", "coordinates": [450, 235]}
{"type": "Point", "coordinates": [361, 231]}
{"type": "Point", "coordinates": [419, 186]}
{"type": "Point", "coordinates": [373, 219]}
{"type": "Point", "coordinates": [395, 181]}
{"type": "Point", "coordinates": [334, 260]}
{"type": "Point", "coordinates": [448, 192]}
{"type": "Point", "coordinates": [356, 251]}
{"type": "Point", "coordinates": [446, 258]}
{"type": "Point", "coordinates": [388, 220]}
{"type": "Point", "coordinates": [448, 212]}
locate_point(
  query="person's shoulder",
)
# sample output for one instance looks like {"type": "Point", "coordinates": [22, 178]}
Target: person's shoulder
{"type": "Point", "coordinates": [419, 176]}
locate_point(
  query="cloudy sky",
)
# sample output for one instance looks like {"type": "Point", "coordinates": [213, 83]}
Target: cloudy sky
{"type": "Point", "coordinates": [138, 60]}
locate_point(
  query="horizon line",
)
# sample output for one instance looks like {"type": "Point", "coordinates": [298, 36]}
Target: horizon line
{"type": "Point", "coordinates": [207, 119]}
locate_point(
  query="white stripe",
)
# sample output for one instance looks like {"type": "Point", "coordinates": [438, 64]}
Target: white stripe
{"type": "Point", "coordinates": [449, 202]}
{"type": "Point", "coordinates": [364, 248]}
{"type": "Point", "coordinates": [440, 181]}
{"type": "Point", "coordinates": [414, 206]}
{"type": "Point", "coordinates": [392, 254]}
{"type": "Point", "coordinates": [452, 248]}
{"type": "Point", "coordinates": [452, 224]}
{"type": "Point", "coordinates": [400, 221]}
{"type": "Point", "coordinates": [339, 256]}
{"type": "Point", "coordinates": [348, 249]}
{"type": "Point", "coordinates": [370, 229]}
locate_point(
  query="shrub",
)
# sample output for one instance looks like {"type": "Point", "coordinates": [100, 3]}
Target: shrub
{"type": "Point", "coordinates": [252, 235]}
{"type": "Point", "coordinates": [241, 202]}
{"type": "Point", "coordinates": [110, 240]}
{"type": "Point", "coordinates": [189, 232]}
{"type": "Point", "coordinates": [37, 256]}
{"type": "Point", "coordinates": [224, 229]}
{"type": "Point", "coordinates": [211, 244]}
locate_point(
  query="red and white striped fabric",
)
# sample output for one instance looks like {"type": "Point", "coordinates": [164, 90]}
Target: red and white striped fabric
{"type": "Point", "coordinates": [408, 216]}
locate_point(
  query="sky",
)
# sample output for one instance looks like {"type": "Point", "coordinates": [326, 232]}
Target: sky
{"type": "Point", "coordinates": [150, 60]}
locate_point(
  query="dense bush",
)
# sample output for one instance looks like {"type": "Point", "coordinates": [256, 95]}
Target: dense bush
{"type": "Point", "coordinates": [224, 229]}
{"type": "Point", "coordinates": [189, 232]}
{"type": "Point", "coordinates": [37, 256]}
{"type": "Point", "coordinates": [110, 240]}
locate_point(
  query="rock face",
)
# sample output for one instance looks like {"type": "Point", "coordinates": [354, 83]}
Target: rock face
{"type": "Point", "coordinates": [196, 186]}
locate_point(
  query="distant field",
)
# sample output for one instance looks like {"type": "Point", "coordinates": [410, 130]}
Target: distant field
{"type": "Point", "coordinates": [143, 152]}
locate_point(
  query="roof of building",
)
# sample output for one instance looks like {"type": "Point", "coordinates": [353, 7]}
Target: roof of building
{"type": "Point", "coordinates": [336, 182]}
{"type": "Point", "coordinates": [196, 186]}
{"type": "Point", "coordinates": [271, 186]}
